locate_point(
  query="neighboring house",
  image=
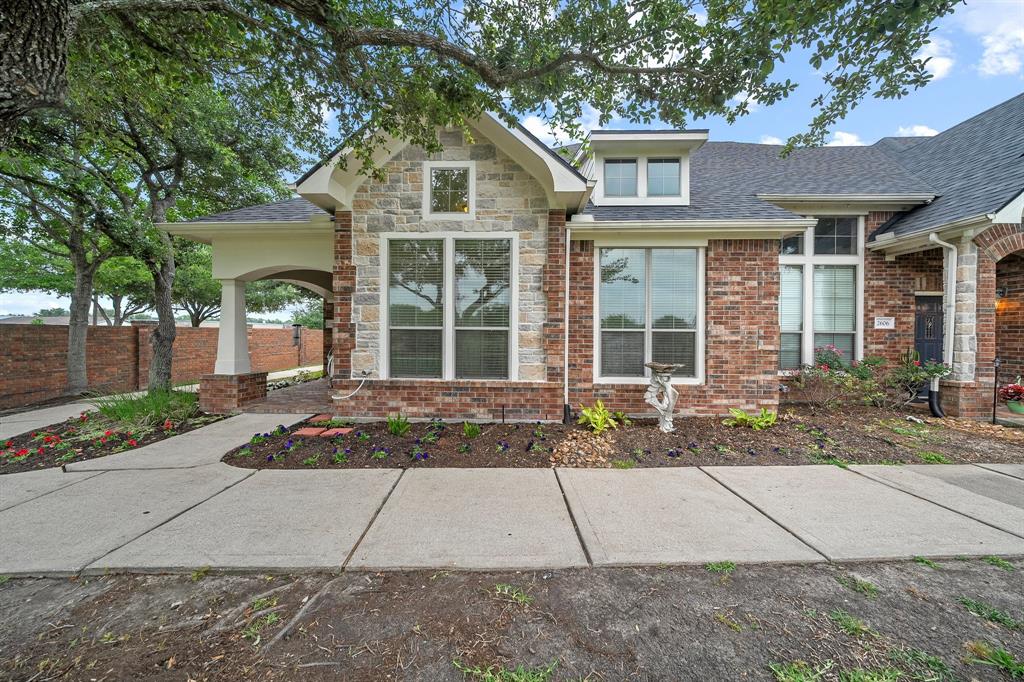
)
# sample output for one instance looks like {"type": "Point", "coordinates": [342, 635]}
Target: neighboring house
{"type": "Point", "coordinates": [499, 278]}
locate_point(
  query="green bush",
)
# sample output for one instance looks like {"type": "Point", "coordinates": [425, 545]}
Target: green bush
{"type": "Point", "coordinates": [758, 422]}
{"type": "Point", "coordinates": [398, 426]}
{"type": "Point", "coordinates": [470, 430]}
{"type": "Point", "coordinates": [149, 409]}
{"type": "Point", "coordinates": [597, 418]}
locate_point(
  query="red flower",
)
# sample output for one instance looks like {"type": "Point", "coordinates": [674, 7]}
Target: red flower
{"type": "Point", "coordinates": [9, 444]}
{"type": "Point", "coordinates": [168, 425]}
{"type": "Point", "coordinates": [917, 363]}
{"type": "Point", "coordinates": [108, 433]}
{"type": "Point", "coordinates": [40, 450]}
{"type": "Point", "coordinates": [824, 368]}
{"type": "Point", "coordinates": [103, 439]}
{"type": "Point", "coordinates": [21, 453]}
{"type": "Point", "coordinates": [132, 442]}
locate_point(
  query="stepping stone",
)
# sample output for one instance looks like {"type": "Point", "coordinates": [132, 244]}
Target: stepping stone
{"type": "Point", "coordinates": [308, 431]}
{"type": "Point", "coordinates": [331, 433]}
{"type": "Point", "coordinates": [322, 418]}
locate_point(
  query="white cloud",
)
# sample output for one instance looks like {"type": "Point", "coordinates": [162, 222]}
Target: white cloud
{"type": "Point", "coordinates": [843, 139]}
{"type": "Point", "coordinates": [771, 139]}
{"type": "Point", "coordinates": [1000, 26]}
{"type": "Point", "coordinates": [916, 130]}
{"type": "Point", "coordinates": [1002, 56]}
{"type": "Point", "coordinates": [536, 125]}
{"type": "Point", "coordinates": [29, 302]}
{"type": "Point", "coordinates": [939, 53]}
{"type": "Point", "coordinates": [741, 97]}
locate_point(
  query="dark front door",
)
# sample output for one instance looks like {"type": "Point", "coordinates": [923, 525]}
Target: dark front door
{"type": "Point", "coordinates": [928, 325]}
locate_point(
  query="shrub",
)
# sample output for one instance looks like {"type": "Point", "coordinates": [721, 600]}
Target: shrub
{"type": "Point", "coordinates": [470, 430]}
{"type": "Point", "coordinates": [906, 379]}
{"type": "Point", "coordinates": [758, 422]}
{"type": "Point", "coordinates": [621, 417]}
{"type": "Point", "coordinates": [398, 426]}
{"type": "Point", "coordinates": [597, 418]}
{"type": "Point", "coordinates": [149, 409]}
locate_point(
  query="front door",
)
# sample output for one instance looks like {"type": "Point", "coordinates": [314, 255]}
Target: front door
{"type": "Point", "coordinates": [928, 325]}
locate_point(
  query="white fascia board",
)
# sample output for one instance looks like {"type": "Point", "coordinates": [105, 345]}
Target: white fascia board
{"type": "Point", "coordinates": [918, 241]}
{"type": "Point", "coordinates": [848, 198]}
{"type": "Point", "coordinates": [789, 224]}
{"type": "Point", "coordinates": [692, 136]}
{"type": "Point", "coordinates": [533, 156]}
{"type": "Point", "coordinates": [206, 231]}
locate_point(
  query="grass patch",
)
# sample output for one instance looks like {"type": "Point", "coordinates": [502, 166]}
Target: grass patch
{"type": "Point", "coordinates": [722, 567]}
{"type": "Point", "coordinates": [513, 594]}
{"type": "Point", "coordinates": [264, 603]}
{"type": "Point", "coordinates": [149, 409]}
{"type": "Point", "coordinates": [850, 624]}
{"type": "Point", "coordinates": [799, 671]}
{"type": "Point", "coordinates": [922, 666]}
{"type": "Point", "coordinates": [933, 457]}
{"type": "Point", "coordinates": [200, 573]}
{"type": "Point", "coordinates": [991, 613]}
{"type": "Point", "coordinates": [819, 458]}
{"type": "Point", "coordinates": [859, 585]}
{"type": "Point", "coordinates": [623, 464]}
{"type": "Point", "coordinates": [984, 653]}
{"type": "Point", "coordinates": [926, 562]}
{"type": "Point", "coordinates": [499, 674]}
{"type": "Point", "coordinates": [4, 579]}
{"type": "Point", "coordinates": [253, 629]}
{"type": "Point", "coordinates": [998, 563]}
{"type": "Point", "coordinates": [862, 675]}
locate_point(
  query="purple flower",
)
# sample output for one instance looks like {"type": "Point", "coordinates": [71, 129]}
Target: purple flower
{"type": "Point", "coordinates": [270, 458]}
{"type": "Point", "coordinates": [752, 452]}
{"type": "Point", "coordinates": [672, 452]}
{"type": "Point", "coordinates": [693, 445]}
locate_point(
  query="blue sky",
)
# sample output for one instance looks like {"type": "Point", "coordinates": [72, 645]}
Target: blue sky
{"type": "Point", "coordinates": [977, 58]}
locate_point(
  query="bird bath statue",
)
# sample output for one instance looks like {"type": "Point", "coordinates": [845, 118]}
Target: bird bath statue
{"type": "Point", "coordinates": [660, 395]}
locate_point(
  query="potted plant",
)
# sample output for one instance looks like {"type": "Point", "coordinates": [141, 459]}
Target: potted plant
{"type": "Point", "coordinates": [1013, 396]}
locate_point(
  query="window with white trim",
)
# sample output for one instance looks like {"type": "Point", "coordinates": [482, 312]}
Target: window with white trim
{"type": "Point", "coordinates": [449, 189]}
{"type": "Point", "coordinates": [449, 307]}
{"type": "Point", "coordinates": [648, 309]}
{"type": "Point", "coordinates": [663, 177]}
{"type": "Point", "coordinates": [819, 297]}
{"type": "Point", "coordinates": [620, 178]}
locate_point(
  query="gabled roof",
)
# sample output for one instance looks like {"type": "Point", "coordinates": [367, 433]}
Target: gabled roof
{"type": "Point", "coordinates": [289, 210]}
{"type": "Point", "coordinates": [727, 177]}
{"type": "Point", "coordinates": [976, 167]}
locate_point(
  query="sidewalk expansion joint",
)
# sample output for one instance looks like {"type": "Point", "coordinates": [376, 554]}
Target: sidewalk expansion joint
{"type": "Point", "coordinates": [206, 499]}
{"type": "Point", "coordinates": [572, 517]}
{"type": "Point", "coordinates": [50, 492]}
{"type": "Point", "coordinates": [768, 516]}
{"type": "Point", "coordinates": [889, 484]}
{"type": "Point", "coordinates": [373, 520]}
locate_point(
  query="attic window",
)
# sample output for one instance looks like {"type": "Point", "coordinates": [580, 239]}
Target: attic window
{"type": "Point", "coordinates": [448, 190]}
{"type": "Point", "coordinates": [663, 177]}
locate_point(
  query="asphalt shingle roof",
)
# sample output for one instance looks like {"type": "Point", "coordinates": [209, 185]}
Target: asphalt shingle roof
{"type": "Point", "coordinates": [726, 177]}
{"type": "Point", "coordinates": [976, 167]}
{"type": "Point", "coordinates": [296, 209]}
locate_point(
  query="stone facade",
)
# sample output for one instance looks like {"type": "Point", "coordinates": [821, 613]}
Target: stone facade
{"type": "Point", "coordinates": [508, 199]}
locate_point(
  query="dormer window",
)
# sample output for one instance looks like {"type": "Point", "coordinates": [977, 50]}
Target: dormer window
{"type": "Point", "coordinates": [662, 177]}
{"type": "Point", "coordinates": [448, 190]}
{"type": "Point", "coordinates": [620, 177]}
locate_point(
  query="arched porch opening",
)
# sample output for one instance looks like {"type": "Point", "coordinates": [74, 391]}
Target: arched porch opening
{"type": "Point", "coordinates": [1009, 325]}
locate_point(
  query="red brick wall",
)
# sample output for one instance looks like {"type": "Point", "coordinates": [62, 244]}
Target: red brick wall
{"type": "Point", "coordinates": [223, 393]}
{"type": "Point", "coordinates": [343, 331]}
{"type": "Point", "coordinates": [889, 291]}
{"type": "Point", "coordinates": [33, 365]}
{"type": "Point", "coordinates": [1010, 316]}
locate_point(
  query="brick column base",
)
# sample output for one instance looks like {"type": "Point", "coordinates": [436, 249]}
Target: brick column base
{"type": "Point", "coordinates": [971, 399]}
{"type": "Point", "coordinates": [223, 393]}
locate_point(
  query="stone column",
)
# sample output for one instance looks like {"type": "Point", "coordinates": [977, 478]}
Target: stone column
{"type": "Point", "coordinates": [233, 336]}
{"type": "Point", "coordinates": [965, 342]}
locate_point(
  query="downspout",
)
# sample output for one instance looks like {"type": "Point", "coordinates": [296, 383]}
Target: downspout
{"type": "Point", "coordinates": [949, 320]}
{"type": "Point", "coordinates": [566, 408]}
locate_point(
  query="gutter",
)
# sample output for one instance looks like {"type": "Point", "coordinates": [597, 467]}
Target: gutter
{"type": "Point", "coordinates": [949, 318]}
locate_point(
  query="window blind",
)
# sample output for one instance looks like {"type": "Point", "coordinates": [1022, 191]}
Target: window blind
{"type": "Point", "coordinates": [482, 277]}
{"type": "Point", "coordinates": [620, 178]}
{"type": "Point", "coordinates": [835, 307]}
{"type": "Point", "coordinates": [663, 177]}
{"type": "Point", "coordinates": [415, 307]}
{"type": "Point", "coordinates": [791, 316]}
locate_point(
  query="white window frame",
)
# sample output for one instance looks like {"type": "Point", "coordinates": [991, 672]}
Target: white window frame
{"type": "Point", "coordinates": [679, 181]}
{"type": "Point", "coordinates": [808, 259]}
{"type": "Point", "coordinates": [448, 321]}
{"type": "Point", "coordinates": [681, 199]}
{"type": "Point", "coordinates": [428, 167]}
{"type": "Point", "coordinates": [698, 377]}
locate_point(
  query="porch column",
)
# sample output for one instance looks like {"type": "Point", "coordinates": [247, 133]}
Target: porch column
{"type": "Point", "coordinates": [965, 343]}
{"type": "Point", "coordinates": [233, 337]}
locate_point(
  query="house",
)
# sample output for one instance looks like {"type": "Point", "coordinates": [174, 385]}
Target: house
{"type": "Point", "coordinates": [502, 278]}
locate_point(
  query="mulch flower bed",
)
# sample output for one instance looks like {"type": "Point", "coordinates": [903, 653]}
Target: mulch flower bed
{"type": "Point", "coordinates": [801, 436]}
{"type": "Point", "coordinates": [87, 436]}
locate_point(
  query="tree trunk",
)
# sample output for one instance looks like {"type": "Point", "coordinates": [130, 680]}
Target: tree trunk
{"type": "Point", "coordinates": [34, 35]}
{"type": "Point", "coordinates": [162, 338]}
{"type": "Point", "coordinates": [95, 310]}
{"type": "Point", "coordinates": [78, 325]}
{"type": "Point", "coordinates": [118, 319]}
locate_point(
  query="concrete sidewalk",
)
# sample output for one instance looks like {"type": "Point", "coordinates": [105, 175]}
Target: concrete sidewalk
{"type": "Point", "coordinates": [174, 506]}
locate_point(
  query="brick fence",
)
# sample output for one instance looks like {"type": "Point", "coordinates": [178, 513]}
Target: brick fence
{"type": "Point", "coordinates": [33, 364]}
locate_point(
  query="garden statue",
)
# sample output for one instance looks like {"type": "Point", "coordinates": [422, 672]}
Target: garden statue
{"type": "Point", "coordinates": [661, 395]}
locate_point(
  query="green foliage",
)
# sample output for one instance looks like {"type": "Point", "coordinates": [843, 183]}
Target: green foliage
{"type": "Point", "coordinates": [926, 562]}
{"type": "Point", "coordinates": [758, 422]}
{"type": "Point", "coordinates": [148, 409]}
{"type": "Point", "coordinates": [991, 613]}
{"type": "Point", "coordinates": [623, 463]}
{"type": "Point", "coordinates": [470, 430]}
{"type": "Point", "coordinates": [862, 675]}
{"type": "Point", "coordinates": [597, 418]}
{"type": "Point", "coordinates": [922, 666]}
{"type": "Point", "coordinates": [513, 594]}
{"type": "Point", "coordinates": [858, 585]}
{"type": "Point", "coordinates": [310, 314]}
{"type": "Point", "coordinates": [500, 674]}
{"type": "Point", "coordinates": [999, 563]}
{"type": "Point", "coordinates": [934, 457]}
{"type": "Point", "coordinates": [984, 653]}
{"type": "Point", "coordinates": [398, 426]}
{"type": "Point", "coordinates": [799, 671]}
{"type": "Point", "coordinates": [849, 623]}
{"type": "Point", "coordinates": [622, 418]}
{"type": "Point", "coordinates": [723, 567]}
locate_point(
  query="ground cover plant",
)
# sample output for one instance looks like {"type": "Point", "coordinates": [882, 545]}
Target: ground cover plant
{"type": "Point", "coordinates": [119, 423]}
{"type": "Point", "coordinates": [797, 435]}
{"type": "Point", "coordinates": [765, 622]}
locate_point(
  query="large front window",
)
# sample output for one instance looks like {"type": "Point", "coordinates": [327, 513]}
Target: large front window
{"type": "Point", "coordinates": [818, 299]}
{"type": "Point", "coordinates": [449, 308]}
{"type": "Point", "coordinates": [648, 310]}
